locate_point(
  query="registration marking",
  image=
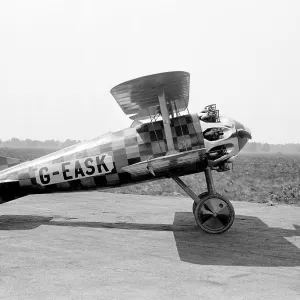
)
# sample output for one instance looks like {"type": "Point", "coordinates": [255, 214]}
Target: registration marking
{"type": "Point", "coordinates": [75, 169]}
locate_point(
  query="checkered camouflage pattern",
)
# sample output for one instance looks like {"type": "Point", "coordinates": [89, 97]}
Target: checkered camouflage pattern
{"type": "Point", "coordinates": [136, 153]}
{"type": "Point", "coordinates": [126, 147]}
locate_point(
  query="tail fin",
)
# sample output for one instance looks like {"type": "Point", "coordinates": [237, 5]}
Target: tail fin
{"type": "Point", "coordinates": [7, 162]}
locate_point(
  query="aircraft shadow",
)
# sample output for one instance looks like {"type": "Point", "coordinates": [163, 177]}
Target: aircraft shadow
{"type": "Point", "coordinates": [250, 242]}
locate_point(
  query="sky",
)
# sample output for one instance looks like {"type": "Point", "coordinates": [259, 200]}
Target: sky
{"type": "Point", "coordinates": [60, 58]}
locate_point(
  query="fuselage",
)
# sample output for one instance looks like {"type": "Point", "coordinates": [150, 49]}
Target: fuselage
{"type": "Point", "coordinates": [99, 163]}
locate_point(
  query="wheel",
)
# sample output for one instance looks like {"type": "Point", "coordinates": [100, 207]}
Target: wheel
{"type": "Point", "coordinates": [202, 195]}
{"type": "Point", "coordinates": [214, 214]}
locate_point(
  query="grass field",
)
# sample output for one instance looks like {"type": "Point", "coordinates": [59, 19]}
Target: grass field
{"type": "Point", "coordinates": [263, 178]}
{"type": "Point", "coordinates": [259, 178]}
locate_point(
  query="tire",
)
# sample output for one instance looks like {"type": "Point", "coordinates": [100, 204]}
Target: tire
{"type": "Point", "coordinates": [214, 214]}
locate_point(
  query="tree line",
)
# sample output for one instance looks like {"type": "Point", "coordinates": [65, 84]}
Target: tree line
{"type": "Point", "coordinates": [272, 148]}
{"type": "Point", "coordinates": [28, 143]}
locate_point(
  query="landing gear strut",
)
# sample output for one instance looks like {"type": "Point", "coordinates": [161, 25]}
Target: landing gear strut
{"type": "Point", "coordinates": [213, 212]}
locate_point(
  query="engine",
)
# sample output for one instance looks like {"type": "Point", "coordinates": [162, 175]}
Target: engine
{"type": "Point", "coordinates": [223, 137]}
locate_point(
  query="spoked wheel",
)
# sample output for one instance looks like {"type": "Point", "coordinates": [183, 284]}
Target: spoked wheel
{"type": "Point", "coordinates": [214, 213]}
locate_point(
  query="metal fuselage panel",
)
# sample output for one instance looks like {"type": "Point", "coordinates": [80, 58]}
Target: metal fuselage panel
{"type": "Point", "coordinates": [98, 163]}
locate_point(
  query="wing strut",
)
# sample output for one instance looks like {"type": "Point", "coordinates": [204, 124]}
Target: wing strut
{"type": "Point", "coordinates": [166, 120]}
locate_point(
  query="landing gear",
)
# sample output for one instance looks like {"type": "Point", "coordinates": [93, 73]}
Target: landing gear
{"type": "Point", "coordinates": [213, 212]}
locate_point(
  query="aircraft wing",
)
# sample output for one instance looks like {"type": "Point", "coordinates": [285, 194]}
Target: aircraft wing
{"type": "Point", "coordinates": [165, 163]}
{"type": "Point", "coordinates": [139, 97]}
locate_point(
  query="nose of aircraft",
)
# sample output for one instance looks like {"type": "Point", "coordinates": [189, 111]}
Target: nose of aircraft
{"type": "Point", "coordinates": [243, 134]}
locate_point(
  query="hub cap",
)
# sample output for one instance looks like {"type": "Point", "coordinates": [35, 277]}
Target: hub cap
{"type": "Point", "coordinates": [214, 214]}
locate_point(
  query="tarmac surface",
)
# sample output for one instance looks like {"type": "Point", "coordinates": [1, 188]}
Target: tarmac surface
{"type": "Point", "coordinates": [94, 245]}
